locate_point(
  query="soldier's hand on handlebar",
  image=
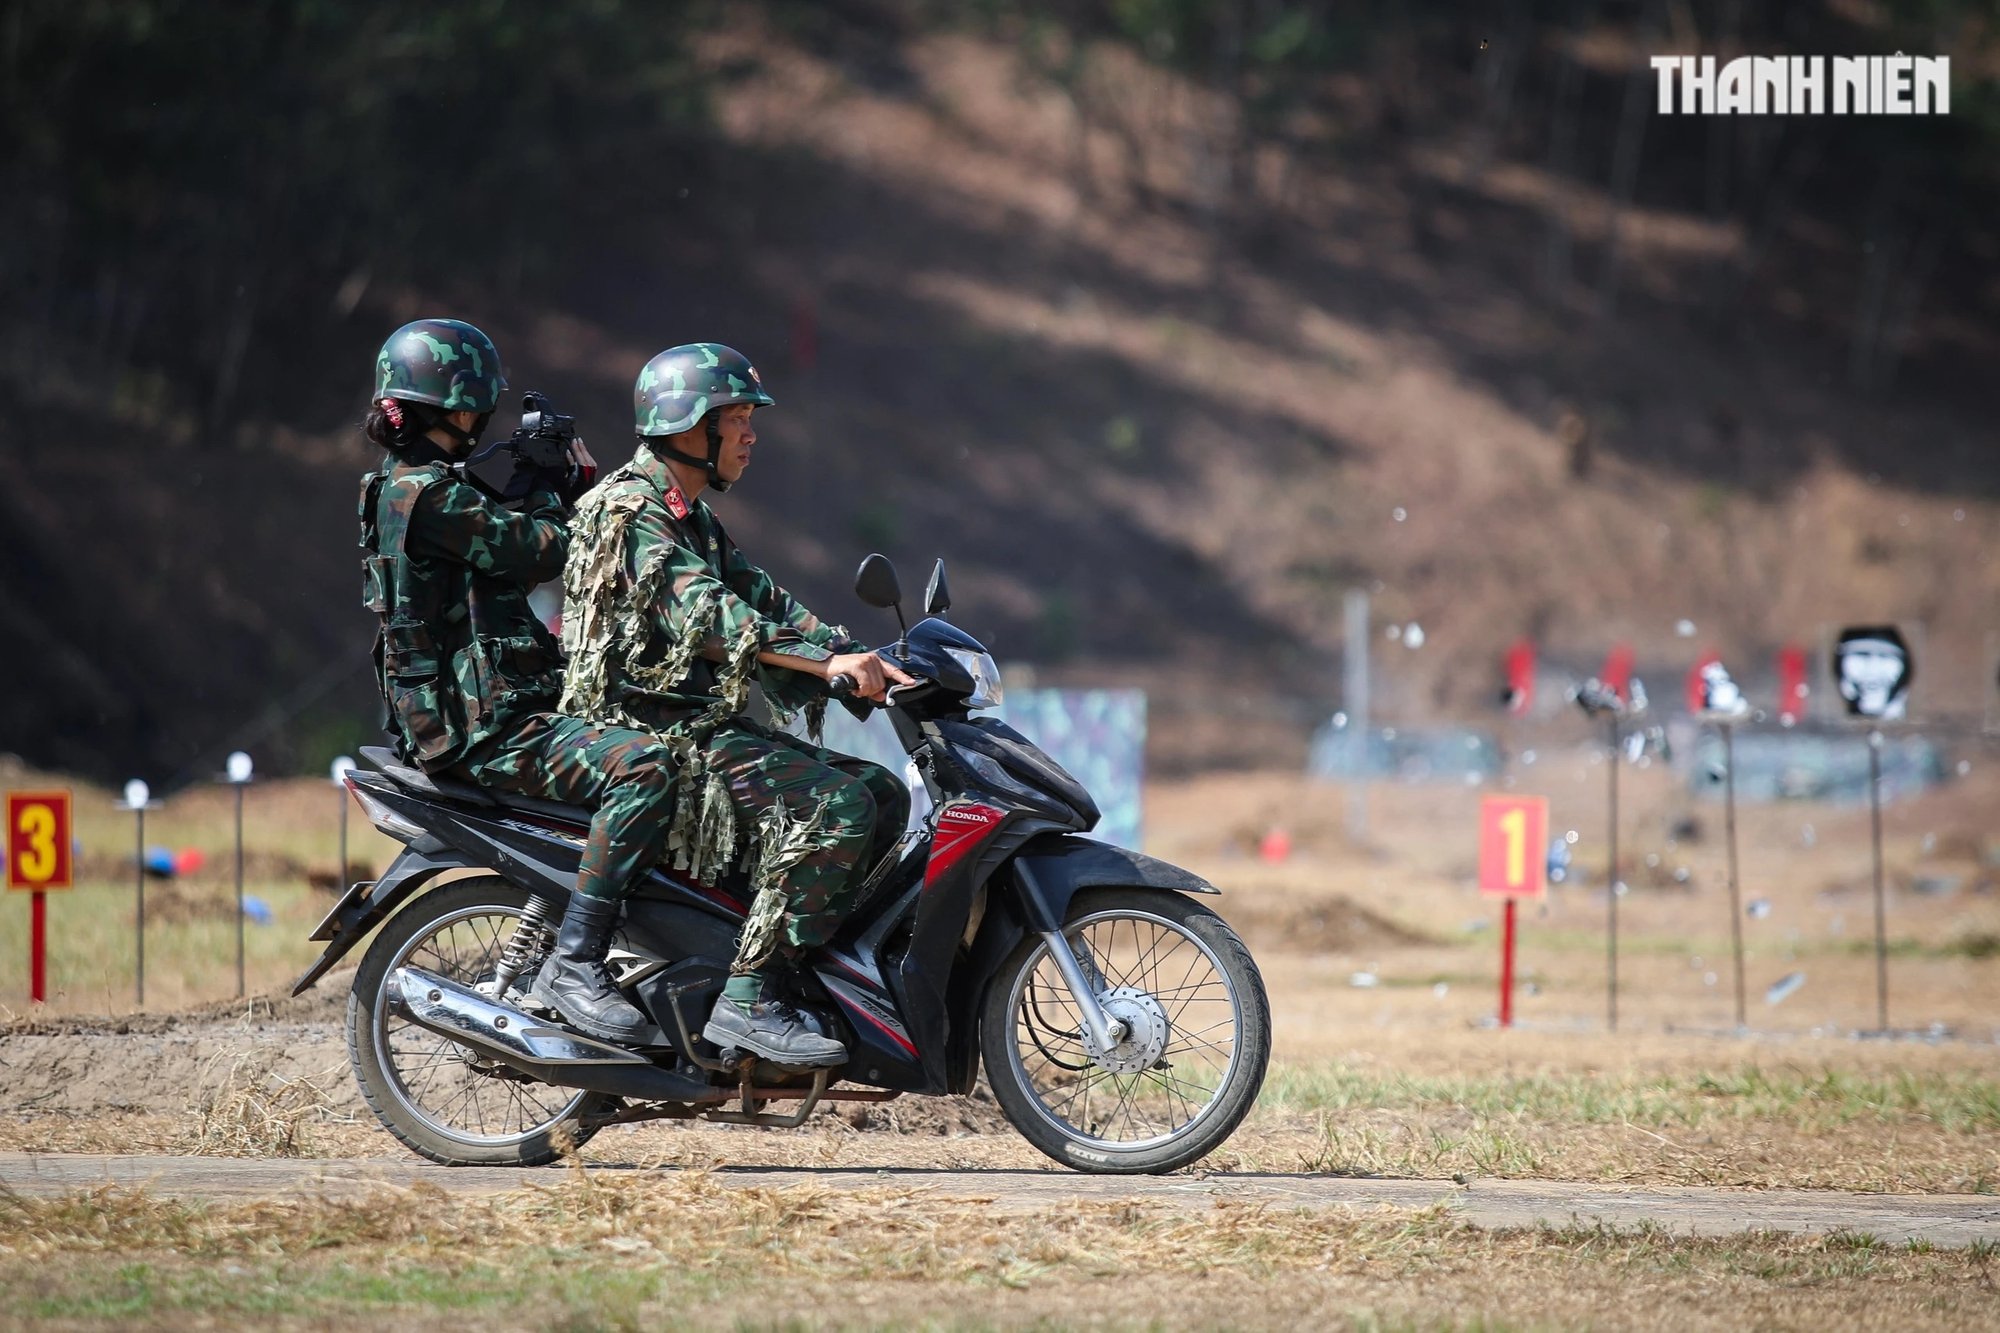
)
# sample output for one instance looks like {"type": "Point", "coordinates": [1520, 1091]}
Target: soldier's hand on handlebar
{"type": "Point", "coordinates": [871, 675]}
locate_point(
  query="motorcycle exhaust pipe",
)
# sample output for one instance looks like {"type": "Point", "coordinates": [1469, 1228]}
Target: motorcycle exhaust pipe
{"type": "Point", "coordinates": [522, 1041]}
{"type": "Point", "coordinates": [454, 1010]}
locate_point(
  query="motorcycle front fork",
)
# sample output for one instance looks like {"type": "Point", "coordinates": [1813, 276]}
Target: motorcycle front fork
{"type": "Point", "coordinates": [1101, 1028]}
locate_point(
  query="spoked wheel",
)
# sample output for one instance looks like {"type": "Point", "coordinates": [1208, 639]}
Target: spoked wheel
{"type": "Point", "coordinates": [1185, 1070]}
{"type": "Point", "coordinates": [441, 1098]}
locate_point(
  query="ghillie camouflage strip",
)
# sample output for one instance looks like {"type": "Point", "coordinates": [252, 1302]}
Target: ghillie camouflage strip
{"type": "Point", "coordinates": [732, 685]}
{"type": "Point", "coordinates": [785, 840]}
{"type": "Point", "coordinates": [866, 809]}
{"type": "Point", "coordinates": [645, 610]}
{"type": "Point", "coordinates": [663, 621]}
{"type": "Point", "coordinates": [684, 834]}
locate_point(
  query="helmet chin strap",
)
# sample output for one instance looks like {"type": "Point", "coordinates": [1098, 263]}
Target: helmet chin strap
{"type": "Point", "coordinates": [468, 438]}
{"type": "Point", "coordinates": [708, 465]}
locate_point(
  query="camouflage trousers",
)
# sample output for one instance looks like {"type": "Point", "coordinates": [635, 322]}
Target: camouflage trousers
{"type": "Point", "coordinates": [850, 810]}
{"type": "Point", "coordinates": [627, 775]}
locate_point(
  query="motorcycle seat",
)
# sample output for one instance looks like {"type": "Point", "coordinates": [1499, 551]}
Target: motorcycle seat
{"type": "Point", "coordinates": [439, 787]}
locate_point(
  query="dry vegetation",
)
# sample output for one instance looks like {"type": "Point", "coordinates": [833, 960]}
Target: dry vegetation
{"type": "Point", "coordinates": [1401, 1077]}
{"type": "Point", "coordinates": [597, 1251]}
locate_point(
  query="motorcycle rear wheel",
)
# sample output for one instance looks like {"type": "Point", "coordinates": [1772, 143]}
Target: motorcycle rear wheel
{"type": "Point", "coordinates": [440, 1098]}
{"type": "Point", "coordinates": [1189, 1069]}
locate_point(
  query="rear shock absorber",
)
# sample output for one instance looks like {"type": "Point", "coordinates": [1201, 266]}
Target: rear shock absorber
{"type": "Point", "coordinates": [524, 946]}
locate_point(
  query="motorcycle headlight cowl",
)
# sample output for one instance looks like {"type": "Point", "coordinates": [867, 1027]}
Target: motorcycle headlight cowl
{"type": "Point", "coordinates": [995, 776]}
{"type": "Point", "coordinates": [985, 673]}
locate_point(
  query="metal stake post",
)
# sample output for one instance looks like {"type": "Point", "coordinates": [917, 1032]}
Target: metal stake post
{"type": "Point", "coordinates": [1355, 697]}
{"type": "Point", "coordinates": [1735, 891]}
{"type": "Point", "coordinates": [338, 771]}
{"type": "Point", "coordinates": [138, 799]}
{"type": "Point", "coordinates": [238, 774]}
{"type": "Point", "coordinates": [38, 948]}
{"type": "Point", "coordinates": [139, 885]}
{"type": "Point", "coordinates": [1881, 912]}
{"type": "Point", "coordinates": [239, 890]}
{"type": "Point", "coordinates": [1611, 890]}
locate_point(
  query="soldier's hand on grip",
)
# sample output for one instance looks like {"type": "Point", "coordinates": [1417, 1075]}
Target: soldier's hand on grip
{"type": "Point", "coordinates": [583, 470]}
{"type": "Point", "coordinates": [871, 675]}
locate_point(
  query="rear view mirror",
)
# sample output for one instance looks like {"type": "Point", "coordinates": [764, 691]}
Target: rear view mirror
{"type": "Point", "coordinates": [937, 597]}
{"type": "Point", "coordinates": [875, 582]}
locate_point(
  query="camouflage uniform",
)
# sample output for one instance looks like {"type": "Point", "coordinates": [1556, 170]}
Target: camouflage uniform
{"type": "Point", "coordinates": [470, 676]}
{"type": "Point", "coordinates": [663, 619]}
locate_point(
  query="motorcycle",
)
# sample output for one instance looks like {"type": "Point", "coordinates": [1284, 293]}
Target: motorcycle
{"type": "Point", "coordinates": [1122, 1024]}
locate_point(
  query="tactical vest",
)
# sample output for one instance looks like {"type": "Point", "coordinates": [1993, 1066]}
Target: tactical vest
{"type": "Point", "coordinates": [459, 656]}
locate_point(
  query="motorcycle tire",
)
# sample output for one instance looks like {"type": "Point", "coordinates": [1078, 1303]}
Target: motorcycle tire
{"type": "Point", "coordinates": [488, 897]}
{"type": "Point", "coordinates": [1013, 1004]}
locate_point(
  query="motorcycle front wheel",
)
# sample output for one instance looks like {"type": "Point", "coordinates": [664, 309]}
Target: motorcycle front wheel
{"type": "Point", "coordinates": [441, 1098]}
{"type": "Point", "coordinates": [1189, 1065]}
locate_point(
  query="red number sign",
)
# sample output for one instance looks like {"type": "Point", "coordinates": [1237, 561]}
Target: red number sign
{"type": "Point", "coordinates": [38, 840]}
{"type": "Point", "coordinates": [1513, 846]}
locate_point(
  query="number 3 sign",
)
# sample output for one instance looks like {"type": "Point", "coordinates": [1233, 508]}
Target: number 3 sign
{"type": "Point", "coordinates": [1513, 842]}
{"type": "Point", "coordinates": [38, 860]}
{"type": "Point", "coordinates": [38, 840]}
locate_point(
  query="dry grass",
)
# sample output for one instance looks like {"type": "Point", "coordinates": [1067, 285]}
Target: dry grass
{"type": "Point", "coordinates": [1817, 1101]}
{"type": "Point", "coordinates": [1748, 1128]}
{"type": "Point", "coordinates": [251, 1116]}
{"type": "Point", "coordinates": [1394, 1079]}
{"type": "Point", "coordinates": [1766, 1156]}
{"type": "Point", "coordinates": [598, 1251]}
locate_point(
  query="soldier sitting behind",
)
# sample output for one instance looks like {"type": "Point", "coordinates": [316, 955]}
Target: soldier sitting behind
{"type": "Point", "coordinates": [667, 623]}
{"type": "Point", "coordinates": [469, 674]}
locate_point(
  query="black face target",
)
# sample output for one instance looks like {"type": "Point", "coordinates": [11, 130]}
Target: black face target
{"type": "Point", "coordinates": [1872, 669]}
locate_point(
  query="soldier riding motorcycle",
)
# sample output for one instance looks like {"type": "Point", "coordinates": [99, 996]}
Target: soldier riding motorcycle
{"type": "Point", "coordinates": [1122, 1025]}
{"type": "Point", "coordinates": [470, 676]}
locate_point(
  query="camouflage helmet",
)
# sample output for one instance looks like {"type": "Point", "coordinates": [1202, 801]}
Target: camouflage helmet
{"type": "Point", "coordinates": [444, 362]}
{"type": "Point", "coordinates": [682, 384]}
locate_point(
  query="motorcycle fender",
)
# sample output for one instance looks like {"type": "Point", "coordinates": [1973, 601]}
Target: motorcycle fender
{"type": "Point", "coordinates": [366, 906]}
{"type": "Point", "coordinates": [1053, 866]}
{"type": "Point", "coordinates": [1048, 872]}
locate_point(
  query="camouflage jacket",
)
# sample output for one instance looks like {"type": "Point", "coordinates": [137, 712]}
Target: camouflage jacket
{"type": "Point", "coordinates": [663, 617]}
{"type": "Point", "coordinates": [459, 656]}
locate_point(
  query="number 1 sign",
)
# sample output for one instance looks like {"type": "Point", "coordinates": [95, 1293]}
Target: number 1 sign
{"type": "Point", "coordinates": [1513, 842]}
{"type": "Point", "coordinates": [1513, 864]}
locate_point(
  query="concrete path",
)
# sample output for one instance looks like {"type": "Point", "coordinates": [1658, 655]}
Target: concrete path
{"type": "Point", "coordinates": [1941, 1219]}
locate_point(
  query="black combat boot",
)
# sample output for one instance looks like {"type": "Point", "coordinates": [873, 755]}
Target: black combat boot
{"type": "Point", "coordinates": [576, 980]}
{"type": "Point", "coordinates": [770, 1026]}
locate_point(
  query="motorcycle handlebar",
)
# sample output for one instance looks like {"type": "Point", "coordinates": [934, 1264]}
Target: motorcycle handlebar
{"type": "Point", "coordinates": [840, 685]}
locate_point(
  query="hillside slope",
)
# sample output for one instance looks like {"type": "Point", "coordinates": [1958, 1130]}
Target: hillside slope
{"type": "Point", "coordinates": [1157, 420]}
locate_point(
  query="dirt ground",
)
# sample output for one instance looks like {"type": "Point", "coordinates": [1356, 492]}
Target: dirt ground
{"type": "Point", "coordinates": [1388, 1075]}
{"type": "Point", "coordinates": [1380, 958]}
